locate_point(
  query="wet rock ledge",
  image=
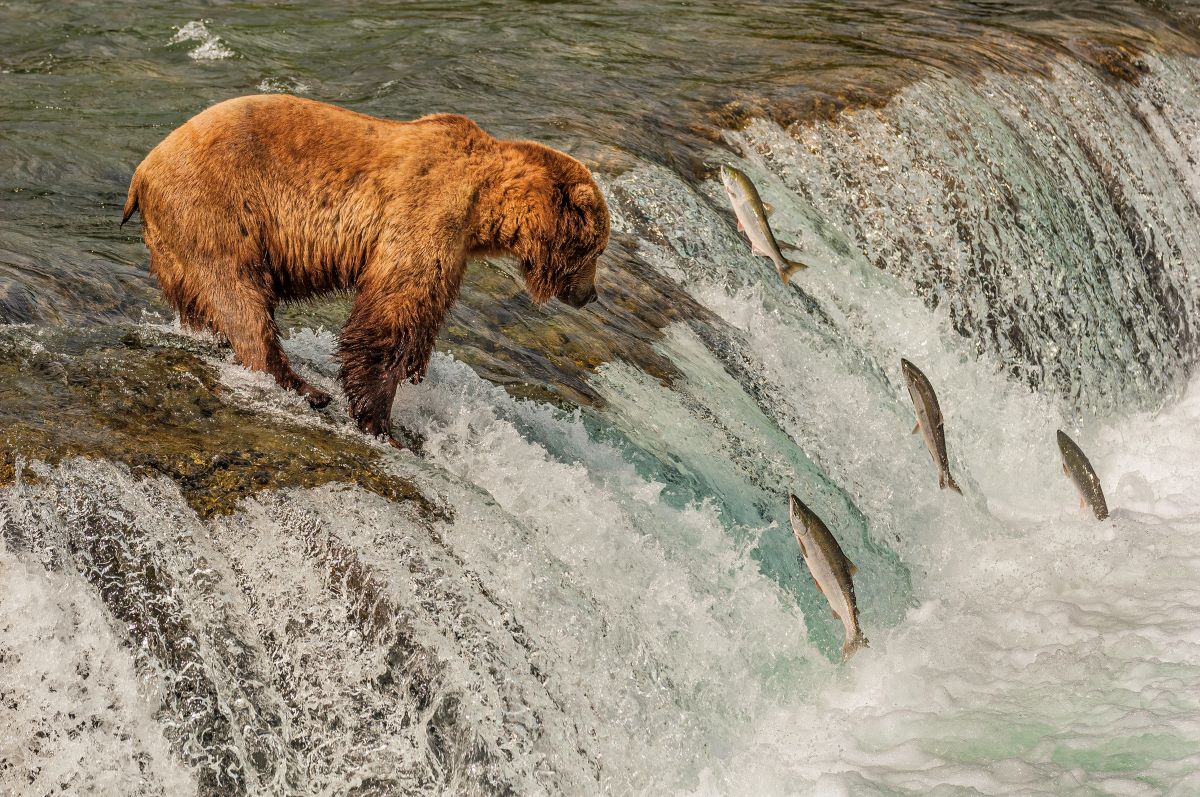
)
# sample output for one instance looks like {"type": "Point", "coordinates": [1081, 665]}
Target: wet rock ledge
{"type": "Point", "coordinates": [154, 403]}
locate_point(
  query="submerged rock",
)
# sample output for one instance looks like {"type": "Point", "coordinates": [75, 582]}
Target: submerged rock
{"type": "Point", "coordinates": [548, 352]}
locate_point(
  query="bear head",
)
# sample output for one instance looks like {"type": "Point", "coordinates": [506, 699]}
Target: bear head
{"type": "Point", "coordinates": [564, 231]}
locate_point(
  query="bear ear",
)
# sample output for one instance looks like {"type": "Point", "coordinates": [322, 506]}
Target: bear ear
{"type": "Point", "coordinates": [584, 195]}
{"type": "Point", "coordinates": [586, 198]}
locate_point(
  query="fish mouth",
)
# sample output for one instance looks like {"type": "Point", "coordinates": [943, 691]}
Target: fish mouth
{"type": "Point", "coordinates": [1065, 444]}
{"type": "Point", "coordinates": [794, 505]}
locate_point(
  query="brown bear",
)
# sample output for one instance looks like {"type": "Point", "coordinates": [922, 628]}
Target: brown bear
{"type": "Point", "coordinates": [271, 198]}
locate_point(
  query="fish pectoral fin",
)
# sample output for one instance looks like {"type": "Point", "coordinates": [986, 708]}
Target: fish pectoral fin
{"type": "Point", "coordinates": [836, 616]}
{"type": "Point", "coordinates": [741, 227]}
{"type": "Point", "coordinates": [917, 428]}
{"type": "Point", "coordinates": [1083, 502]}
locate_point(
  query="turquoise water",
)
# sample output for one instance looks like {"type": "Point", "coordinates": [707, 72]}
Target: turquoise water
{"type": "Point", "coordinates": [1004, 194]}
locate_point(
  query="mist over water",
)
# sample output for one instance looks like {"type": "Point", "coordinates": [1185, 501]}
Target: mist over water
{"type": "Point", "coordinates": [586, 581]}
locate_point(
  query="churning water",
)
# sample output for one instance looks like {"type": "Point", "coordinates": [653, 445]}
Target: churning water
{"type": "Point", "coordinates": [585, 582]}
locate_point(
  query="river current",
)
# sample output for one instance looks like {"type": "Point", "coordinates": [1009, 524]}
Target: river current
{"type": "Point", "coordinates": [585, 581]}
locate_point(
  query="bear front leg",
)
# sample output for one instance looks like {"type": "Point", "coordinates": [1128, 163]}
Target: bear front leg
{"type": "Point", "coordinates": [384, 343]}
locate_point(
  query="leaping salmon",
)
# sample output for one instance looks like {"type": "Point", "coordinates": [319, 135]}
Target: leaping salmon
{"type": "Point", "coordinates": [929, 422]}
{"type": "Point", "coordinates": [752, 219]}
{"type": "Point", "coordinates": [1079, 470]}
{"type": "Point", "coordinates": [830, 569]}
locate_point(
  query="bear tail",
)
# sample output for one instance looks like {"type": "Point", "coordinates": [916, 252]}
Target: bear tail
{"type": "Point", "coordinates": [131, 204]}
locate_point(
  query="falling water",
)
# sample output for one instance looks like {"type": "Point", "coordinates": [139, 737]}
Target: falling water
{"type": "Point", "coordinates": [585, 580]}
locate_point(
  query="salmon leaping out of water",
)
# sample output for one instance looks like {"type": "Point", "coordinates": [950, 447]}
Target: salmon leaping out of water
{"type": "Point", "coordinates": [830, 569]}
{"type": "Point", "coordinates": [752, 219]}
{"type": "Point", "coordinates": [929, 422]}
{"type": "Point", "coordinates": [1079, 470]}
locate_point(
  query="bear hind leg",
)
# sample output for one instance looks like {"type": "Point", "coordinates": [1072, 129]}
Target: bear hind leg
{"type": "Point", "coordinates": [170, 273]}
{"type": "Point", "coordinates": [246, 320]}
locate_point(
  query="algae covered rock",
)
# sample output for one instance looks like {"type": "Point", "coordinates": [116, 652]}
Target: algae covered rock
{"type": "Point", "coordinates": [155, 403]}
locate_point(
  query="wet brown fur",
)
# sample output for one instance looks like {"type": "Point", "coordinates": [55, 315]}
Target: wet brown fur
{"type": "Point", "coordinates": [272, 198]}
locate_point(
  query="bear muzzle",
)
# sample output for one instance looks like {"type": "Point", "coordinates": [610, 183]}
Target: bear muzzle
{"type": "Point", "coordinates": [580, 297]}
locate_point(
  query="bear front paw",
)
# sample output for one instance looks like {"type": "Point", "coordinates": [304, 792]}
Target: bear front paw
{"type": "Point", "coordinates": [317, 399]}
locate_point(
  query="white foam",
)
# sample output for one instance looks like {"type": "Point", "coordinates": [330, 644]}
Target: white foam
{"type": "Point", "coordinates": [669, 670]}
{"type": "Point", "coordinates": [211, 48]}
{"type": "Point", "coordinates": [284, 85]}
{"type": "Point", "coordinates": [75, 714]}
{"type": "Point", "coordinates": [1044, 645]}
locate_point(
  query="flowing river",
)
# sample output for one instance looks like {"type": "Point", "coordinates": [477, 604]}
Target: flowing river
{"type": "Point", "coordinates": [585, 581]}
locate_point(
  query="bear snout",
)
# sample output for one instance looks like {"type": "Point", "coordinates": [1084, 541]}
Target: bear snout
{"type": "Point", "coordinates": [581, 297]}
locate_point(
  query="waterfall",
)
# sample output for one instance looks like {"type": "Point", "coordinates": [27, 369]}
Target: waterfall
{"type": "Point", "coordinates": [608, 597]}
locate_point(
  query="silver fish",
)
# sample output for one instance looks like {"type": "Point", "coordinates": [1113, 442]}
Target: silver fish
{"type": "Point", "coordinates": [1079, 470]}
{"type": "Point", "coordinates": [929, 422]}
{"type": "Point", "coordinates": [751, 214]}
{"type": "Point", "coordinates": [830, 569]}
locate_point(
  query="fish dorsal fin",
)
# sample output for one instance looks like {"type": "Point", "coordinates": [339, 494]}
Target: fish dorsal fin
{"type": "Point", "coordinates": [853, 567]}
{"type": "Point", "coordinates": [917, 428]}
{"type": "Point", "coordinates": [768, 208]}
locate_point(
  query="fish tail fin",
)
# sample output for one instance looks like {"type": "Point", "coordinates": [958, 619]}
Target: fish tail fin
{"type": "Point", "coordinates": [852, 645]}
{"type": "Point", "coordinates": [789, 268]}
{"type": "Point", "coordinates": [946, 480]}
{"type": "Point", "coordinates": [131, 203]}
